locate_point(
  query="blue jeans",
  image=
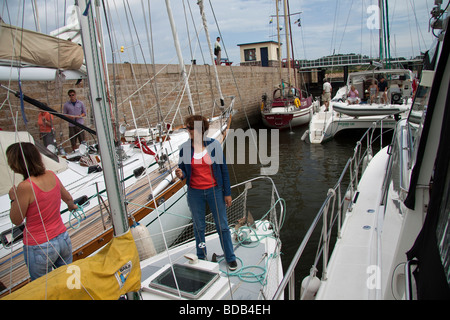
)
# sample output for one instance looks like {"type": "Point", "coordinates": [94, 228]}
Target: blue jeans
{"type": "Point", "coordinates": [197, 200]}
{"type": "Point", "coordinates": [41, 258]}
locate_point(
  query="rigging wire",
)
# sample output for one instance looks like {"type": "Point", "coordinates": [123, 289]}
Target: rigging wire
{"type": "Point", "coordinates": [151, 46]}
{"type": "Point", "coordinates": [192, 54]}
{"type": "Point", "coordinates": [336, 13]}
{"type": "Point", "coordinates": [345, 27]}
{"type": "Point", "coordinates": [111, 41]}
{"type": "Point", "coordinates": [254, 140]}
{"type": "Point", "coordinates": [418, 30]}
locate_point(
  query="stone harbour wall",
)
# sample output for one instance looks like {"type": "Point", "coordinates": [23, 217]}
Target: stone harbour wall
{"type": "Point", "coordinates": [137, 87]}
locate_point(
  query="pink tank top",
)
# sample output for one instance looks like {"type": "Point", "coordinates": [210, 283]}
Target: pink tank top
{"type": "Point", "coordinates": [43, 219]}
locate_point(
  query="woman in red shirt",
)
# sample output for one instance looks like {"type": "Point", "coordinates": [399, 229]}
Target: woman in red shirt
{"type": "Point", "coordinates": [38, 199]}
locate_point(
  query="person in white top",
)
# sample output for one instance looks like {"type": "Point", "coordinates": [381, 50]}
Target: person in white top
{"type": "Point", "coordinates": [353, 96]}
{"type": "Point", "coordinates": [326, 94]}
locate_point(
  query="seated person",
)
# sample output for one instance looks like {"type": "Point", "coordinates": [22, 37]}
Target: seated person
{"type": "Point", "coordinates": [353, 96]}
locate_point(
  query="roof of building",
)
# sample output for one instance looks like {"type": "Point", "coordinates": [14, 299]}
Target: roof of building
{"type": "Point", "coordinates": [244, 44]}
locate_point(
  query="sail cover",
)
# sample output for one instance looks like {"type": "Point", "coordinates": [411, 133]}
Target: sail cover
{"type": "Point", "coordinates": [111, 273]}
{"type": "Point", "coordinates": [26, 46]}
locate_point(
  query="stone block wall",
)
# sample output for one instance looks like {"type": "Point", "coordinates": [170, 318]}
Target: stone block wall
{"type": "Point", "coordinates": [136, 86]}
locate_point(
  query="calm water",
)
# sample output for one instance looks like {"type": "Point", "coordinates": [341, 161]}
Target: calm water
{"type": "Point", "coordinates": [305, 174]}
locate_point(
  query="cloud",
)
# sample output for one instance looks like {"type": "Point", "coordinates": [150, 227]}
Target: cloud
{"type": "Point", "coordinates": [327, 26]}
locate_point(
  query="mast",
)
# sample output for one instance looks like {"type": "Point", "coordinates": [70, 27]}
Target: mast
{"type": "Point", "coordinates": [180, 56]}
{"type": "Point", "coordinates": [286, 27]}
{"type": "Point", "coordinates": [211, 52]}
{"type": "Point", "coordinates": [279, 41]}
{"type": "Point", "coordinates": [387, 40]}
{"type": "Point", "coordinates": [384, 33]}
{"type": "Point", "coordinates": [380, 31]}
{"type": "Point", "coordinates": [102, 116]}
{"type": "Point", "coordinates": [292, 45]}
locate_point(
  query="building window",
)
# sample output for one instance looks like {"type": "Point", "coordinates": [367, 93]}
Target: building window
{"type": "Point", "coordinates": [250, 54]}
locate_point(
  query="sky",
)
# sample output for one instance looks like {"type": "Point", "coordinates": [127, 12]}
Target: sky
{"type": "Point", "coordinates": [327, 26]}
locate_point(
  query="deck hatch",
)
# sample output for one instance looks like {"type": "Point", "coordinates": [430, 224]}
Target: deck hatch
{"type": "Point", "coordinates": [192, 281]}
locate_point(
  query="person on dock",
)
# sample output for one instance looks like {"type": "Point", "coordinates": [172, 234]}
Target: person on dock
{"type": "Point", "coordinates": [373, 91]}
{"type": "Point", "coordinates": [217, 51]}
{"type": "Point", "coordinates": [353, 96]}
{"type": "Point", "coordinates": [326, 93]}
{"type": "Point", "coordinates": [45, 122]}
{"type": "Point", "coordinates": [75, 110]}
{"type": "Point", "coordinates": [202, 164]}
{"type": "Point", "coordinates": [37, 199]}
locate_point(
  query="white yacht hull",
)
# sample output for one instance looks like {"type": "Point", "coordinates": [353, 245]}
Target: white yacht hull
{"type": "Point", "coordinates": [324, 125]}
{"type": "Point", "coordinates": [358, 110]}
{"type": "Point", "coordinates": [280, 118]}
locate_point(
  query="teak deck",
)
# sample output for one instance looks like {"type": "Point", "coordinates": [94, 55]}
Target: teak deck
{"type": "Point", "coordinates": [94, 232]}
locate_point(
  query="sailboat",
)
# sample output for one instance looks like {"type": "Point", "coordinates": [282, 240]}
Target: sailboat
{"type": "Point", "coordinates": [399, 93]}
{"type": "Point", "coordinates": [116, 270]}
{"type": "Point", "coordinates": [360, 114]}
{"type": "Point", "coordinates": [407, 242]}
{"type": "Point", "coordinates": [147, 161]}
{"type": "Point", "coordinates": [288, 106]}
{"type": "Point", "coordinates": [359, 103]}
{"type": "Point", "coordinates": [392, 221]}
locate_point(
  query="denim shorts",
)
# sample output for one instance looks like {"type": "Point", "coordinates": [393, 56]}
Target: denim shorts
{"type": "Point", "coordinates": [42, 258]}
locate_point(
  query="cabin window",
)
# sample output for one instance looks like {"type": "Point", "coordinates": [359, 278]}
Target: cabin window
{"type": "Point", "coordinates": [250, 54]}
{"type": "Point", "coordinates": [416, 117]}
{"type": "Point", "coordinates": [443, 228]}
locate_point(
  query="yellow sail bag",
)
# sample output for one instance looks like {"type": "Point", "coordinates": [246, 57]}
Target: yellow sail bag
{"type": "Point", "coordinates": [112, 272]}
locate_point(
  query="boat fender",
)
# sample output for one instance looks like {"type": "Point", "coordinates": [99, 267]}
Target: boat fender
{"type": "Point", "coordinates": [297, 102]}
{"type": "Point", "coordinates": [305, 134]}
{"type": "Point", "coordinates": [347, 201]}
{"type": "Point", "coordinates": [366, 161]}
{"type": "Point", "coordinates": [144, 242]}
{"type": "Point", "coordinates": [310, 287]}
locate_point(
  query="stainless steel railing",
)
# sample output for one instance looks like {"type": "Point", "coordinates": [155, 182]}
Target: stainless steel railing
{"type": "Point", "coordinates": [333, 207]}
